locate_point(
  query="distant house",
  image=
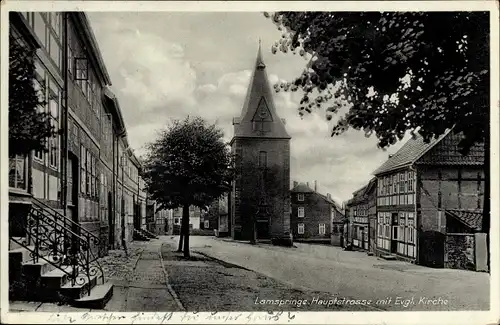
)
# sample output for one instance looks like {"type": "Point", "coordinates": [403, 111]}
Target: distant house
{"type": "Point", "coordinates": [315, 217]}
{"type": "Point", "coordinates": [363, 217]}
{"type": "Point", "coordinates": [217, 217]}
{"type": "Point", "coordinates": [158, 221]}
{"type": "Point", "coordinates": [429, 204]}
{"type": "Point", "coordinates": [194, 219]}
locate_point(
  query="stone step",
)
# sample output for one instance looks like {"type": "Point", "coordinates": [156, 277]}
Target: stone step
{"type": "Point", "coordinates": [98, 298]}
{"type": "Point", "coordinates": [81, 286]}
{"type": "Point", "coordinates": [56, 278]}
{"type": "Point", "coordinates": [389, 257]}
{"type": "Point", "coordinates": [44, 265]}
{"type": "Point", "coordinates": [20, 254]}
{"type": "Point", "coordinates": [14, 242]}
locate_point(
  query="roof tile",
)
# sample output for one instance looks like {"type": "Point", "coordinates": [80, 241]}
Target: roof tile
{"type": "Point", "coordinates": [471, 218]}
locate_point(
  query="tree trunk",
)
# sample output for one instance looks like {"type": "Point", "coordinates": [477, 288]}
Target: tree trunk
{"type": "Point", "coordinates": [185, 229]}
{"type": "Point", "coordinates": [181, 240]}
{"type": "Point", "coordinates": [181, 235]}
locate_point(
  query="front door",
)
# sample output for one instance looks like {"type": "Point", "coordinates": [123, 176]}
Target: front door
{"type": "Point", "coordinates": [394, 237]}
{"type": "Point", "coordinates": [137, 216]}
{"type": "Point", "coordinates": [262, 229]}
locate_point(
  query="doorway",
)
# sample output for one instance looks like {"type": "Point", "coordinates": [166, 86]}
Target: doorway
{"type": "Point", "coordinates": [262, 226]}
{"type": "Point", "coordinates": [137, 215]}
{"type": "Point", "coordinates": [394, 237]}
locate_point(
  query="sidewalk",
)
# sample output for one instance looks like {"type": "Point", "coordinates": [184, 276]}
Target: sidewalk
{"type": "Point", "coordinates": [203, 283]}
{"type": "Point", "coordinates": [140, 283]}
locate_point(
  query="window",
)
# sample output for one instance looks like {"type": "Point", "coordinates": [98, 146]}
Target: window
{"type": "Point", "coordinates": [380, 228]}
{"type": "Point", "coordinates": [300, 197]}
{"type": "Point", "coordinates": [71, 59]}
{"type": "Point", "coordinates": [17, 172]}
{"type": "Point", "coordinates": [300, 212]}
{"type": "Point", "coordinates": [54, 49]}
{"type": "Point", "coordinates": [88, 170]}
{"type": "Point", "coordinates": [55, 22]}
{"type": "Point", "coordinates": [322, 228]}
{"type": "Point", "coordinates": [263, 159]}
{"type": "Point", "coordinates": [40, 88]}
{"type": "Point", "coordinates": [53, 109]}
{"type": "Point", "coordinates": [83, 164]}
{"type": "Point", "coordinates": [177, 221]}
{"type": "Point", "coordinates": [81, 70]}
{"type": "Point", "coordinates": [40, 27]}
{"type": "Point", "coordinates": [300, 228]}
{"type": "Point", "coordinates": [411, 232]}
{"type": "Point", "coordinates": [206, 223]}
{"type": "Point", "coordinates": [92, 171]}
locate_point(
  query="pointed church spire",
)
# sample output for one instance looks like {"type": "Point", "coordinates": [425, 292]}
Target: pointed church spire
{"type": "Point", "coordinates": [260, 63]}
{"type": "Point", "coordinates": [259, 117]}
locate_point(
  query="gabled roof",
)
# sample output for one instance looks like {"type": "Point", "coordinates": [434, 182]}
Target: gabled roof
{"type": "Point", "coordinates": [302, 188]}
{"type": "Point", "coordinates": [362, 193]}
{"type": "Point", "coordinates": [470, 218]}
{"type": "Point", "coordinates": [331, 201]}
{"type": "Point", "coordinates": [410, 152]}
{"type": "Point", "coordinates": [447, 153]}
{"type": "Point", "coordinates": [259, 118]}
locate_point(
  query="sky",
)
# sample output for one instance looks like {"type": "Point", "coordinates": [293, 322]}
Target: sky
{"type": "Point", "coordinates": [168, 65]}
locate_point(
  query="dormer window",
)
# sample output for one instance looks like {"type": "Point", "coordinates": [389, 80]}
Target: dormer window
{"type": "Point", "coordinates": [300, 197]}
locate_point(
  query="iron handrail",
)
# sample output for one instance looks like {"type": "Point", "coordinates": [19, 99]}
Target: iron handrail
{"type": "Point", "coordinates": [57, 214]}
{"type": "Point", "coordinates": [55, 236]}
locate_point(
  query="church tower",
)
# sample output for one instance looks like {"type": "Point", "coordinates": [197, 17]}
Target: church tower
{"type": "Point", "coordinates": [260, 194]}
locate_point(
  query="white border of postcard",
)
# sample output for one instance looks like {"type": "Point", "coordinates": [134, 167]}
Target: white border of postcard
{"type": "Point", "coordinates": [463, 317]}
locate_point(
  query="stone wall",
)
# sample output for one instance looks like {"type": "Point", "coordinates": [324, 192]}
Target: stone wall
{"type": "Point", "coordinates": [459, 251]}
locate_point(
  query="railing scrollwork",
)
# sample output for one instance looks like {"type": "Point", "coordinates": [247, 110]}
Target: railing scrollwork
{"type": "Point", "coordinates": [63, 243]}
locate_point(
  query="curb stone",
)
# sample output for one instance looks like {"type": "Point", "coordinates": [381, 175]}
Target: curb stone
{"type": "Point", "coordinates": [169, 287]}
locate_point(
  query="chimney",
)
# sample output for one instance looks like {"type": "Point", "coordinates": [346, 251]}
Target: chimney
{"type": "Point", "coordinates": [328, 196]}
{"type": "Point", "coordinates": [295, 183]}
{"type": "Point", "coordinates": [315, 186]}
{"type": "Point", "coordinates": [390, 156]}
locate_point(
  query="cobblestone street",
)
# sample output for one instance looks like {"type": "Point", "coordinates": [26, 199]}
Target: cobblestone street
{"type": "Point", "coordinates": [207, 284]}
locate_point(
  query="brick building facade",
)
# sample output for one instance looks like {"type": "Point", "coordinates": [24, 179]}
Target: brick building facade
{"type": "Point", "coordinates": [261, 144]}
{"type": "Point", "coordinates": [315, 217]}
